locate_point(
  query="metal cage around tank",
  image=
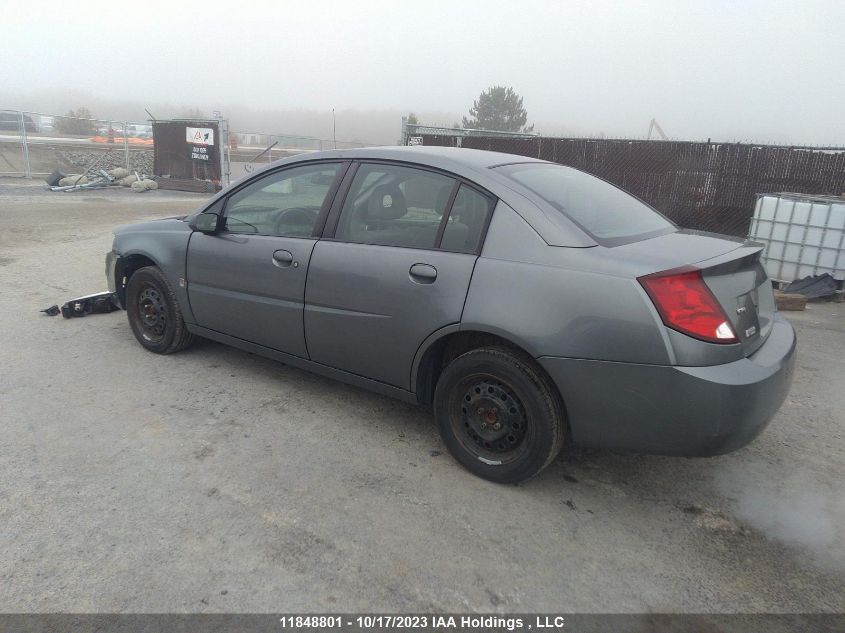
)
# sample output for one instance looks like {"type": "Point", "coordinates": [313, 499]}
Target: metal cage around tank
{"type": "Point", "coordinates": [804, 235]}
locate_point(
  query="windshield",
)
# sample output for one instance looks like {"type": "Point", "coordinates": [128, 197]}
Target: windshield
{"type": "Point", "coordinates": [605, 212]}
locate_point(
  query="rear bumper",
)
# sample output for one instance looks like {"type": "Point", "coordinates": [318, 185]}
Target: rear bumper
{"type": "Point", "coordinates": [691, 411]}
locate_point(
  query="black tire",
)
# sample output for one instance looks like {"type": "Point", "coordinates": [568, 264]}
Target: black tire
{"type": "Point", "coordinates": [492, 386]}
{"type": "Point", "coordinates": [154, 314]}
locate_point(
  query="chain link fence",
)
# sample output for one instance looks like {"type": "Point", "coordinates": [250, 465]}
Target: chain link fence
{"type": "Point", "coordinates": [35, 144]}
{"type": "Point", "coordinates": [251, 150]}
{"type": "Point", "coordinates": [699, 185]}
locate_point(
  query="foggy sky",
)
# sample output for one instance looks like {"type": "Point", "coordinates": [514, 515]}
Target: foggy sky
{"type": "Point", "coordinates": [727, 70]}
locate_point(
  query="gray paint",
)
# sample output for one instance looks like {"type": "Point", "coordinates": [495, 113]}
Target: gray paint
{"type": "Point", "coordinates": [236, 287]}
{"type": "Point", "coordinates": [553, 312]}
{"type": "Point", "coordinates": [366, 315]}
{"type": "Point", "coordinates": [676, 410]}
{"type": "Point", "coordinates": [165, 243]}
{"type": "Point", "coordinates": [302, 363]}
{"type": "Point", "coordinates": [357, 313]}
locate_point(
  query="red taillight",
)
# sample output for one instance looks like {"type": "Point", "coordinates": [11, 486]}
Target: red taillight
{"type": "Point", "coordinates": [686, 304]}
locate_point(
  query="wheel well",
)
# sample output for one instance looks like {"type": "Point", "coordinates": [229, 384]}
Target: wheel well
{"type": "Point", "coordinates": [445, 350]}
{"type": "Point", "coordinates": [125, 268]}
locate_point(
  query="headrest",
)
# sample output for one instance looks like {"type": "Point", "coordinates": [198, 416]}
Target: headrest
{"type": "Point", "coordinates": [387, 203]}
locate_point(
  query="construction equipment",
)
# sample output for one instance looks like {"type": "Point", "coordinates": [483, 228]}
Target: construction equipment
{"type": "Point", "coordinates": [654, 126]}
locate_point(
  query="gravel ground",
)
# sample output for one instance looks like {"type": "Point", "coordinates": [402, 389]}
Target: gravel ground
{"type": "Point", "coordinates": [214, 480]}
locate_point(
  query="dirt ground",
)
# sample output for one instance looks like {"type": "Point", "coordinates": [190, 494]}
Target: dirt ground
{"type": "Point", "coordinates": [214, 480]}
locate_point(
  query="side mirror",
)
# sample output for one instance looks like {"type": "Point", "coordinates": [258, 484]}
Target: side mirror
{"type": "Point", "coordinates": [206, 223]}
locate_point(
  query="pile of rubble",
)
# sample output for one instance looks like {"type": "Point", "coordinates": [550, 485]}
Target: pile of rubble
{"type": "Point", "coordinates": [99, 179]}
{"type": "Point", "coordinates": [140, 161]}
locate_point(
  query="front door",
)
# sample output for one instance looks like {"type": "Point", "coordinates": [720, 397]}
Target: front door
{"type": "Point", "coordinates": [397, 269]}
{"type": "Point", "coordinates": [248, 281]}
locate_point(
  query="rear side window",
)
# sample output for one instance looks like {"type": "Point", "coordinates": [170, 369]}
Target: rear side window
{"type": "Point", "coordinates": [605, 212]}
{"type": "Point", "coordinates": [394, 206]}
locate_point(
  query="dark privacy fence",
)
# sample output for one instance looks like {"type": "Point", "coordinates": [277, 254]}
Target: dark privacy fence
{"type": "Point", "coordinates": [705, 186]}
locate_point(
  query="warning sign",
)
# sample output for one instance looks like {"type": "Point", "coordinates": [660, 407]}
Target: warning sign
{"type": "Point", "coordinates": [199, 135]}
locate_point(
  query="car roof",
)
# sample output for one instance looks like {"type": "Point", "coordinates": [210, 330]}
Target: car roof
{"type": "Point", "coordinates": [434, 155]}
{"type": "Point", "coordinates": [447, 158]}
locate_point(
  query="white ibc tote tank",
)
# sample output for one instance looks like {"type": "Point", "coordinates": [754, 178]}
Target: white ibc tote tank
{"type": "Point", "coordinates": [803, 235]}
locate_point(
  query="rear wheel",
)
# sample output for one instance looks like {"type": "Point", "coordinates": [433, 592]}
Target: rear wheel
{"type": "Point", "coordinates": [498, 415]}
{"type": "Point", "coordinates": [154, 314]}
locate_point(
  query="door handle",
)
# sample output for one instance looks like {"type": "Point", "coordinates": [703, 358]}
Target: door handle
{"type": "Point", "coordinates": [282, 258]}
{"type": "Point", "coordinates": [423, 273]}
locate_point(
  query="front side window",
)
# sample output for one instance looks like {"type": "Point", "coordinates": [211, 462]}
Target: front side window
{"type": "Point", "coordinates": [394, 206]}
{"type": "Point", "coordinates": [604, 211]}
{"type": "Point", "coordinates": [285, 203]}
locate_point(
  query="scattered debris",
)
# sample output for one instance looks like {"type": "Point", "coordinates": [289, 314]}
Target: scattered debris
{"type": "Point", "coordinates": [72, 180]}
{"type": "Point", "coordinates": [100, 303]}
{"type": "Point", "coordinates": [145, 184]}
{"type": "Point", "coordinates": [54, 178]}
{"type": "Point", "coordinates": [814, 287]}
{"type": "Point", "coordinates": [98, 178]}
{"type": "Point", "coordinates": [102, 178]}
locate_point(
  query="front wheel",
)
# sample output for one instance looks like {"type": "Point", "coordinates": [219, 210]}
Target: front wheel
{"type": "Point", "coordinates": [154, 314]}
{"type": "Point", "coordinates": [498, 415]}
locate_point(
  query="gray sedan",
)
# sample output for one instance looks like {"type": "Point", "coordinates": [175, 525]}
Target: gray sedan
{"type": "Point", "coordinates": [528, 304]}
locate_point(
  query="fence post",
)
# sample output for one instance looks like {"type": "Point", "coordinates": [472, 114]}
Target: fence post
{"type": "Point", "coordinates": [404, 137]}
{"type": "Point", "coordinates": [26, 164]}
{"type": "Point", "coordinates": [223, 140]}
{"type": "Point", "coordinates": [126, 144]}
{"type": "Point", "coordinates": [227, 147]}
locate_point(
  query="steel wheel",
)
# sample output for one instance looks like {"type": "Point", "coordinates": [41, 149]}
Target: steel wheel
{"type": "Point", "coordinates": [152, 313]}
{"type": "Point", "coordinates": [489, 418]}
{"type": "Point", "coordinates": [498, 414]}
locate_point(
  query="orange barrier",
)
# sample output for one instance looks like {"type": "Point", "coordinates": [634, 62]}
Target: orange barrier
{"type": "Point", "coordinates": [114, 140]}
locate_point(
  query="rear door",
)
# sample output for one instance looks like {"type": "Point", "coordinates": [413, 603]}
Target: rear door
{"type": "Point", "coordinates": [395, 266]}
{"type": "Point", "coordinates": [248, 281]}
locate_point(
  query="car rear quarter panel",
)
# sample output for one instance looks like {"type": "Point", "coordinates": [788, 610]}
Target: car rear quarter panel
{"type": "Point", "coordinates": [165, 242]}
{"type": "Point", "coordinates": [554, 301]}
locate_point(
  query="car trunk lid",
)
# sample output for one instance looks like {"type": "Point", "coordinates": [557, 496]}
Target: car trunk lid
{"type": "Point", "coordinates": [739, 282]}
{"type": "Point", "coordinates": [731, 269]}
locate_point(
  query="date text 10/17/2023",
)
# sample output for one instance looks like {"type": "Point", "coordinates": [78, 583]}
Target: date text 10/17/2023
{"type": "Point", "coordinates": [458, 622]}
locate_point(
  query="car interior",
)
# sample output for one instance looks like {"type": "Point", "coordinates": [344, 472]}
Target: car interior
{"type": "Point", "coordinates": [407, 211]}
{"type": "Point", "coordinates": [390, 206]}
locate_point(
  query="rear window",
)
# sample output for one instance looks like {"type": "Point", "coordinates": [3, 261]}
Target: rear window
{"type": "Point", "coordinates": [606, 213]}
